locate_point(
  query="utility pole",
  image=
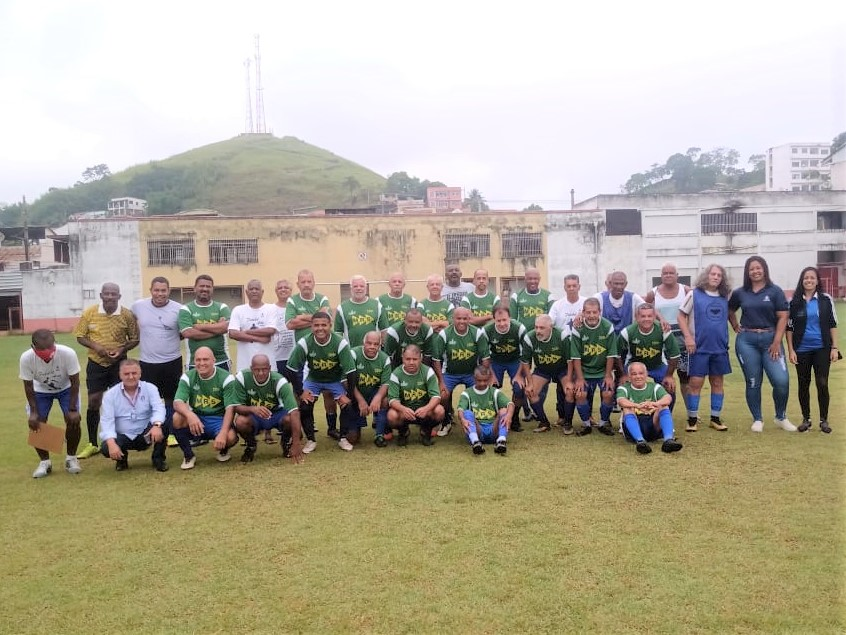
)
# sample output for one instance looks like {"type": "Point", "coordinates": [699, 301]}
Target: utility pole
{"type": "Point", "coordinates": [26, 231]}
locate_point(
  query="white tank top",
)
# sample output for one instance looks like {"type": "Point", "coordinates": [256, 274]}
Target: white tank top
{"type": "Point", "coordinates": [669, 308]}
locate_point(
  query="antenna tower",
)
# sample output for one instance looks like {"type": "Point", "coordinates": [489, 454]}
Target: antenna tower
{"type": "Point", "coordinates": [248, 121]}
{"type": "Point", "coordinates": [260, 127]}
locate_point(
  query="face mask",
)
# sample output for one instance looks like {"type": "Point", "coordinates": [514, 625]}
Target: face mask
{"type": "Point", "coordinates": [46, 354]}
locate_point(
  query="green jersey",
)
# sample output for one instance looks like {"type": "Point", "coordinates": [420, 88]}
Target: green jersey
{"type": "Point", "coordinates": [396, 308]}
{"type": "Point", "coordinates": [372, 373]}
{"type": "Point", "coordinates": [593, 346]}
{"type": "Point", "coordinates": [505, 347]}
{"type": "Point", "coordinates": [327, 363]}
{"type": "Point", "coordinates": [651, 392]}
{"type": "Point", "coordinates": [413, 391]}
{"type": "Point", "coordinates": [193, 313]}
{"type": "Point", "coordinates": [436, 310]}
{"type": "Point", "coordinates": [480, 305]}
{"type": "Point", "coordinates": [525, 306]}
{"type": "Point", "coordinates": [397, 338]}
{"type": "Point", "coordinates": [206, 396]}
{"type": "Point", "coordinates": [274, 394]}
{"type": "Point", "coordinates": [484, 405]}
{"type": "Point", "coordinates": [550, 356]}
{"type": "Point", "coordinates": [354, 320]}
{"type": "Point", "coordinates": [298, 306]}
{"type": "Point", "coordinates": [653, 349]}
{"type": "Point", "coordinates": [460, 354]}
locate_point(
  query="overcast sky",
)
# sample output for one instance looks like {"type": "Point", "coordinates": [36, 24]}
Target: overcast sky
{"type": "Point", "coordinates": [520, 100]}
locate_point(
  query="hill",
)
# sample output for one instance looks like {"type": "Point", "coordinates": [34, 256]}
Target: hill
{"type": "Point", "coordinates": [247, 175]}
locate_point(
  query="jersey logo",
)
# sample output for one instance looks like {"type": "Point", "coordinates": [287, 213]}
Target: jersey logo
{"type": "Point", "coordinates": [263, 402]}
{"type": "Point", "coordinates": [323, 364]}
{"type": "Point", "coordinates": [594, 349]}
{"type": "Point", "coordinates": [368, 380]}
{"type": "Point", "coordinates": [395, 316]}
{"type": "Point", "coordinates": [206, 401]}
{"type": "Point", "coordinates": [646, 353]}
{"type": "Point", "coordinates": [436, 317]}
{"type": "Point", "coordinates": [415, 394]}
{"type": "Point", "coordinates": [461, 354]}
{"type": "Point", "coordinates": [531, 311]}
{"type": "Point", "coordinates": [361, 320]}
{"type": "Point", "coordinates": [484, 414]}
{"type": "Point", "coordinates": [548, 359]}
{"type": "Point", "coordinates": [506, 348]}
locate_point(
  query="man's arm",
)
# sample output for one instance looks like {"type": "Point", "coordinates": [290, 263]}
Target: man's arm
{"type": "Point", "coordinates": [29, 391]}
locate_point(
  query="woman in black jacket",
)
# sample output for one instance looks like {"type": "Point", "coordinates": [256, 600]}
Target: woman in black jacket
{"type": "Point", "coordinates": [812, 343]}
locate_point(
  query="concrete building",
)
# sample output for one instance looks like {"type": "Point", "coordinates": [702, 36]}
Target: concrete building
{"type": "Point", "coordinates": [127, 206]}
{"type": "Point", "coordinates": [837, 164]}
{"type": "Point", "coordinates": [798, 167]}
{"type": "Point", "coordinates": [444, 199]}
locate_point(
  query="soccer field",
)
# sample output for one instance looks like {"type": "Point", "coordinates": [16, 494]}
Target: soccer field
{"type": "Point", "coordinates": [737, 533]}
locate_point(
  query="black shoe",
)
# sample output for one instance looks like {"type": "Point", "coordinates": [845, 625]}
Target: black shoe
{"type": "Point", "coordinates": [585, 430]}
{"type": "Point", "coordinates": [426, 438]}
{"type": "Point", "coordinates": [379, 441]}
{"type": "Point", "coordinates": [249, 454]}
{"type": "Point", "coordinates": [671, 445]}
{"type": "Point", "coordinates": [824, 427]}
{"type": "Point", "coordinates": [567, 428]}
{"type": "Point", "coordinates": [531, 416]}
{"type": "Point", "coordinates": [642, 447]}
{"type": "Point", "coordinates": [501, 447]}
{"type": "Point", "coordinates": [478, 448]}
{"type": "Point", "coordinates": [515, 426]}
{"type": "Point", "coordinates": [160, 465]}
{"type": "Point", "coordinates": [805, 425]}
{"type": "Point", "coordinates": [333, 432]}
{"type": "Point", "coordinates": [122, 464]}
{"type": "Point", "coordinates": [605, 429]}
{"type": "Point", "coordinates": [286, 444]}
{"type": "Point", "coordinates": [195, 443]}
{"type": "Point", "coordinates": [402, 439]}
{"type": "Point", "coordinates": [544, 426]}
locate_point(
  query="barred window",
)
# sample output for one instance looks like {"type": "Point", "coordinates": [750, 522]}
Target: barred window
{"type": "Point", "coordinates": [521, 244]}
{"type": "Point", "coordinates": [468, 245]}
{"type": "Point", "coordinates": [179, 251]}
{"type": "Point", "coordinates": [233, 252]}
{"type": "Point", "coordinates": [729, 223]}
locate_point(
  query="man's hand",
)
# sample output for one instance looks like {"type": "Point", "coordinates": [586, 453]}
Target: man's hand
{"type": "Point", "coordinates": [195, 425]}
{"type": "Point", "coordinates": [219, 442]}
{"type": "Point", "coordinates": [669, 384]}
{"type": "Point", "coordinates": [156, 434]}
{"type": "Point", "coordinates": [344, 401]}
{"type": "Point", "coordinates": [261, 412]}
{"type": "Point", "coordinates": [33, 421]}
{"type": "Point", "coordinates": [297, 456]}
{"type": "Point", "coordinates": [114, 451]}
{"type": "Point", "coordinates": [307, 396]}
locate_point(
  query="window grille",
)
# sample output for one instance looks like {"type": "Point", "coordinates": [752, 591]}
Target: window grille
{"type": "Point", "coordinates": [522, 244]}
{"type": "Point", "coordinates": [179, 251]}
{"type": "Point", "coordinates": [729, 223]}
{"type": "Point", "coordinates": [468, 245]}
{"type": "Point", "coordinates": [233, 252]}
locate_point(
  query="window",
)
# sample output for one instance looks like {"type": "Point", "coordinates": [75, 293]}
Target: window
{"type": "Point", "coordinates": [815, 163]}
{"type": "Point", "coordinates": [170, 251]}
{"type": "Point", "coordinates": [467, 245]}
{"type": "Point", "coordinates": [520, 244]}
{"type": "Point", "coordinates": [796, 176]}
{"type": "Point", "coordinates": [804, 150]}
{"type": "Point", "coordinates": [795, 150]}
{"type": "Point", "coordinates": [88, 294]}
{"type": "Point", "coordinates": [622, 222]}
{"type": "Point", "coordinates": [815, 150]}
{"type": "Point", "coordinates": [233, 252]}
{"type": "Point", "coordinates": [796, 188]}
{"type": "Point", "coordinates": [831, 221]}
{"type": "Point", "coordinates": [729, 223]}
{"type": "Point", "coordinates": [795, 164]}
{"type": "Point", "coordinates": [61, 252]}
{"type": "Point", "coordinates": [804, 164]}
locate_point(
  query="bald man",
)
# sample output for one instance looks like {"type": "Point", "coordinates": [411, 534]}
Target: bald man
{"type": "Point", "coordinates": [253, 325]}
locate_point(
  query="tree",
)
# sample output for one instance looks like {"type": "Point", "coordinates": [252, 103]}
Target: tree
{"type": "Point", "coordinates": [476, 201]}
{"type": "Point", "coordinates": [352, 184]}
{"type": "Point", "coordinates": [400, 184]}
{"type": "Point", "coordinates": [838, 142]}
{"type": "Point", "coordinates": [95, 173]}
{"type": "Point", "coordinates": [534, 207]}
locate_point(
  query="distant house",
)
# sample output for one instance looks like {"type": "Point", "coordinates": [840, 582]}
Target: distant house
{"type": "Point", "coordinates": [797, 167]}
{"type": "Point", "coordinates": [127, 206]}
{"type": "Point", "coordinates": [837, 164]}
{"type": "Point", "coordinates": [444, 199]}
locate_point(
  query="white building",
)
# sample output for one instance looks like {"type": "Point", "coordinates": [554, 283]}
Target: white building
{"type": "Point", "coordinates": [127, 206]}
{"type": "Point", "coordinates": [837, 164]}
{"type": "Point", "coordinates": [798, 167]}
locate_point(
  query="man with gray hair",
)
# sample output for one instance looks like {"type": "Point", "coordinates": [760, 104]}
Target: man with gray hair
{"type": "Point", "coordinates": [253, 326]}
{"type": "Point", "coordinates": [360, 314]}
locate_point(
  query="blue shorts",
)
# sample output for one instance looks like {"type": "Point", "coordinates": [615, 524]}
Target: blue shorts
{"type": "Point", "coordinates": [488, 433]}
{"type": "Point", "coordinates": [704, 364]}
{"type": "Point", "coordinates": [316, 387]}
{"type": "Point", "coordinates": [548, 377]}
{"type": "Point", "coordinates": [274, 422]}
{"type": "Point", "coordinates": [451, 381]}
{"type": "Point", "coordinates": [499, 369]}
{"type": "Point", "coordinates": [44, 402]}
{"type": "Point", "coordinates": [213, 424]}
{"type": "Point", "coordinates": [592, 384]}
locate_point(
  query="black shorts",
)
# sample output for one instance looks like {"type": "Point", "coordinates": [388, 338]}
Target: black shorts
{"type": "Point", "coordinates": [101, 378]}
{"type": "Point", "coordinates": [164, 376]}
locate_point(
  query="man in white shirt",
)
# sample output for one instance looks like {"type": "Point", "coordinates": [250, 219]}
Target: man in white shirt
{"type": "Point", "coordinates": [566, 312]}
{"type": "Point", "coordinates": [253, 326]}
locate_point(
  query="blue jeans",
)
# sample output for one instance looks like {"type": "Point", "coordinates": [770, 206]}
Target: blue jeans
{"type": "Point", "coordinates": [751, 350]}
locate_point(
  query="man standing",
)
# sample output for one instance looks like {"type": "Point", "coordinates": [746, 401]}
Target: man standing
{"type": "Point", "coordinates": [480, 301]}
{"type": "Point", "coordinates": [205, 322]}
{"type": "Point", "coordinates": [411, 330]}
{"type": "Point", "coordinates": [618, 305]}
{"type": "Point", "coordinates": [253, 326]}
{"type": "Point", "coordinates": [531, 301]}
{"type": "Point", "coordinates": [360, 314]}
{"type": "Point", "coordinates": [284, 339]}
{"type": "Point", "coordinates": [455, 289]}
{"type": "Point", "coordinates": [395, 303]}
{"type": "Point", "coordinates": [414, 397]}
{"type": "Point", "coordinates": [108, 331]}
{"type": "Point", "coordinates": [437, 310]}
{"type": "Point", "coordinates": [505, 337]}
{"type": "Point", "coordinates": [484, 412]}
{"type": "Point", "coordinates": [566, 311]}
{"type": "Point", "coordinates": [50, 372]}
{"type": "Point", "coordinates": [133, 419]}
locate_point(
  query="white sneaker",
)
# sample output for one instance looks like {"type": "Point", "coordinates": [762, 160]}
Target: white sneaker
{"type": "Point", "coordinates": [445, 429]}
{"type": "Point", "coordinates": [785, 425]}
{"type": "Point", "coordinates": [72, 465]}
{"type": "Point", "coordinates": [188, 464]}
{"type": "Point", "coordinates": [309, 447]}
{"type": "Point", "coordinates": [757, 426]}
{"type": "Point", "coordinates": [345, 445]}
{"type": "Point", "coordinates": [224, 456]}
{"type": "Point", "coordinates": [43, 469]}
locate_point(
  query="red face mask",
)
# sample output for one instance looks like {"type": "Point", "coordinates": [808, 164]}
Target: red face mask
{"type": "Point", "coordinates": [46, 354]}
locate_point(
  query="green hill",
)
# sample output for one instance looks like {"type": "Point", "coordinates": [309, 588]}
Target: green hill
{"type": "Point", "coordinates": [246, 175]}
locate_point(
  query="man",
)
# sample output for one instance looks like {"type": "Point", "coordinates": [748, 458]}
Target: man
{"type": "Point", "coordinates": [395, 303]}
{"type": "Point", "coordinates": [455, 289]}
{"type": "Point", "coordinates": [458, 350]}
{"type": "Point", "coordinates": [50, 372]}
{"type": "Point", "coordinates": [205, 322]}
{"type": "Point", "coordinates": [437, 310]}
{"type": "Point", "coordinates": [283, 341]}
{"type": "Point", "coordinates": [133, 419]}
{"type": "Point", "coordinates": [566, 312]}
{"type": "Point", "coordinates": [618, 305]}
{"type": "Point", "coordinates": [204, 407]}
{"type": "Point", "coordinates": [161, 357]}
{"type": "Point", "coordinates": [531, 301]}
{"type": "Point", "coordinates": [253, 326]}
{"type": "Point", "coordinates": [593, 353]}
{"type": "Point", "coordinates": [331, 370]}
{"type": "Point", "coordinates": [484, 412]}
{"type": "Point", "coordinates": [646, 342]}
{"type": "Point", "coordinates": [549, 352]}
{"type": "Point", "coordinates": [646, 412]}
{"type": "Point", "coordinates": [411, 330]}
{"type": "Point", "coordinates": [108, 331]}
{"type": "Point", "coordinates": [264, 401]}
{"type": "Point", "coordinates": [360, 314]}
{"type": "Point", "coordinates": [480, 301]}
{"type": "Point", "coordinates": [414, 397]}
{"type": "Point", "coordinates": [703, 320]}
{"type": "Point", "coordinates": [369, 394]}
{"type": "Point", "coordinates": [505, 339]}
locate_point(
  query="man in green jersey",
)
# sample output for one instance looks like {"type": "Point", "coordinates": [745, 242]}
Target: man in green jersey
{"type": "Point", "coordinates": [411, 330]}
{"type": "Point", "coordinates": [593, 353]}
{"type": "Point", "coordinates": [549, 352]}
{"type": "Point", "coordinates": [531, 301]}
{"type": "Point", "coordinates": [414, 397]}
{"type": "Point", "coordinates": [360, 314]}
{"type": "Point", "coordinates": [205, 322]}
{"type": "Point", "coordinates": [395, 303]}
{"type": "Point", "coordinates": [373, 369]}
{"type": "Point", "coordinates": [485, 411]}
{"type": "Point", "coordinates": [264, 401]}
{"type": "Point", "coordinates": [481, 301]}
{"type": "Point", "coordinates": [646, 411]}
{"type": "Point", "coordinates": [505, 338]}
{"type": "Point", "coordinates": [437, 310]}
{"type": "Point", "coordinates": [203, 407]}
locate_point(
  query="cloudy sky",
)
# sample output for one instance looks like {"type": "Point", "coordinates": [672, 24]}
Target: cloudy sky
{"type": "Point", "coordinates": [521, 100]}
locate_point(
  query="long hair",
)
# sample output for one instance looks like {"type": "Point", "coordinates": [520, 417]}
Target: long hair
{"type": "Point", "coordinates": [747, 282]}
{"type": "Point", "coordinates": [702, 280]}
{"type": "Point", "coordinates": [799, 295]}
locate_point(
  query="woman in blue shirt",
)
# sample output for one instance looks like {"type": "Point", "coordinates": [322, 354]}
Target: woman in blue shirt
{"type": "Point", "coordinates": [812, 343]}
{"type": "Point", "coordinates": [758, 345]}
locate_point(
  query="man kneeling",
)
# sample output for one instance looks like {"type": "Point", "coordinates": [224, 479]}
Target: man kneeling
{"type": "Point", "coordinates": [646, 411]}
{"type": "Point", "coordinates": [414, 397]}
{"type": "Point", "coordinates": [485, 413]}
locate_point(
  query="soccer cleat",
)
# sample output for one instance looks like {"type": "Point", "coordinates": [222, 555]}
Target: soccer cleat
{"type": "Point", "coordinates": [72, 465]}
{"type": "Point", "coordinates": [501, 447]}
{"type": "Point", "coordinates": [446, 428]}
{"type": "Point", "coordinates": [160, 465]}
{"type": "Point", "coordinates": [824, 427]}
{"type": "Point", "coordinates": [248, 455]}
{"type": "Point", "coordinates": [515, 425]}
{"type": "Point", "coordinates": [88, 451]}
{"type": "Point", "coordinates": [171, 441]}
{"type": "Point", "coordinates": [478, 448]}
{"type": "Point", "coordinates": [223, 456]}
{"type": "Point", "coordinates": [585, 430]}
{"type": "Point", "coordinates": [309, 447]}
{"type": "Point", "coordinates": [529, 417]}
{"type": "Point", "coordinates": [717, 424]}
{"type": "Point", "coordinates": [642, 447]}
{"type": "Point", "coordinates": [402, 438]}
{"type": "Point", "coordinates": [692, 424]}
{"type": "Point", "coordinates": [43, 469]}
{"type": "Point", "coordinates": [543, 427]}
{"type": "Point", "coordinates": [757, 426]}
{"type": "Point", "coordinates": [345, 445]}
{"type": "Point", "coordinates": [567, 429]}
{"type": "Point", "coordinates": [197, 442]}
{"type": "Point", "coordinates": [380, 441]}
{"type": "Point", "coordinates": [426, 438]}
{"type": "Point", "coordinates": [671, 445]}
{"type": "Point", "coordinates": [606, 429]}
{"type": "Point", "coordinates": [121, 465]}
{"type": "Point", "coordinates": [333, 432]}
{"type": "Point", "coordinates": [188, 464]}
{"type": "Point", "coordinates": [785, 425]}
{"type": "Point", "coordinates": [804, 426]}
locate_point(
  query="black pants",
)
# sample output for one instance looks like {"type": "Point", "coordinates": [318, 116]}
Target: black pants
{"type": "Point", "coordinates": [139, 444]}
{"type": "Point", "coordinates": [820, 361]}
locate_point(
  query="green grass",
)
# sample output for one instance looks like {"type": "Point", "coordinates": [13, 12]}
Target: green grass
{"type": "Point", "coordinates": [738, 533]}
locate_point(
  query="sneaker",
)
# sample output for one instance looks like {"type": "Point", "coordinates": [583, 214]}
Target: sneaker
{"type": "Point", "coordinates": [333, 432]}
{"type": "Point", "coordinates": [43, 469]}
{"type": "Point", "coordinates": [515, 425]}
{"type": "Point", "coordinates": [72, 465]}
{"type": "Point", "coordinates": [824, 427]}
{"type": "Point", "coordinates": [671, 445]}
{"type": "Point", "coordinates": [223, 456]}
{"type": "Point", "coordinates": [88, 451]}
{"type": "Point", "coordinates": [501, 447]}
{"type": "Point", "coordinates": [717, 424]}
{"type": "Point", "coordinates": [585, 430]}
{"type": "Point", "coordinates": [757, 426]}
{"type": "Point", "coordinates": [121, 465]}
{"type": "Point", "coordinates": [529, 417]}
{"type": "Point", "coordinates": [426, 439]}
{"type": "Point", "coordinates": [197, 442]}
{"type": "Point", "coordinates": [160, 465]}
{"type": "Point", "coordinates": [248, 455]}
{"type": "Point", "coordinates": [171, 441]}
{"type": "Point", "coordinates": [478, 448]}
{"type": "Point", "coordinates": [692, 424]}
{"type": "Point", "coordinates": [543, 427]}
{"type": "Point", "coordinates": [785, 425]}
{"type": "Point", "coordinates": [402, 438]}
{"type": "Point", "coordinates": [380, 441]}
{"type": "Point", "coordinates": [606, 429]}
{"type": "Point", "coordinates": [446, 428]}
{"type": "Point", "coordinates": [309, 447]}
{"type": "Point", "coordinates": [188, 464]}
{"type": "Point", "coordinates": [567, 429]}
{"type": "Point", "coordinates": [642, 447]}
{"type": "Point", "coordinates": [804, 426]}
{"type": "Point", "coordinates": [345, 445]}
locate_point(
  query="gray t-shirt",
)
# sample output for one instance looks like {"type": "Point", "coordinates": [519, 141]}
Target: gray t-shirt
{"type": "Point", "coordinates": [159, 329]}
{"type": "Point", "coordinates": [456, 294]}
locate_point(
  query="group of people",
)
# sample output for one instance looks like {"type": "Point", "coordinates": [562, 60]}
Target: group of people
{"type": "Point", "coordinates": [399, 361]}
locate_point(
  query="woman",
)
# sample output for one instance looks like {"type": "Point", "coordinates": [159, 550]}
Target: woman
{"type": "Point", "coordinates": [812, 343]}
{"type": "Point", "coordinates": [758, 345]}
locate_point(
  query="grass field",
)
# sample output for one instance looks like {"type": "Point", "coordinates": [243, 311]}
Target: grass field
{"type": "Point", "coordinates": [738, 533]}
